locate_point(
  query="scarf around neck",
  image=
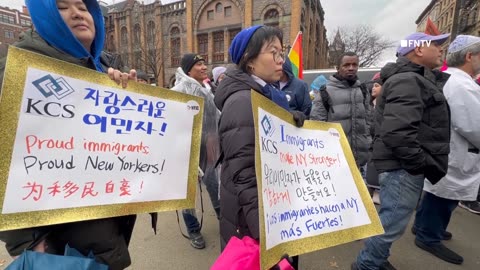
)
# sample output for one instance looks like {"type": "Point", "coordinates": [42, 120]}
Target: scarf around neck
{"type": "Point", "coordinates": [272, 93]}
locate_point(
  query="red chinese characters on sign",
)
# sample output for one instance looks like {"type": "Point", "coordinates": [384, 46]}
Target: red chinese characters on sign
{"type": "Point", "coordinates": [54, 189]}
{"type": "Point", "coordinates": [125, 188]}
{"type": "Point", "coordinates": [35, 190]}
{"type": "Point", "coordinates": [68, 189]}
{"type": "Point", "coordinates": [88, 190]}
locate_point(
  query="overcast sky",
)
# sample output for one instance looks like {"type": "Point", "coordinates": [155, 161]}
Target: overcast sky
{"type": "Point", "coordinates": [393, 18]}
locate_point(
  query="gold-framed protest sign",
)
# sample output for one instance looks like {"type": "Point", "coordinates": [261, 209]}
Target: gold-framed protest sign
{"type": "Point", "coordinates": [76, 146]}
{"type": "Point", "coordinates": [311, 195]}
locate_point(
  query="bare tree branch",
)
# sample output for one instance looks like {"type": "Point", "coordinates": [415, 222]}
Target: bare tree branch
{"type": "Point", "coordinates": [362, 40]}
{"type": "Point", "coordinates": [150, 56]}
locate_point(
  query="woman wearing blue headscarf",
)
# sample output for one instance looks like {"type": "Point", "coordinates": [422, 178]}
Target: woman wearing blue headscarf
{"type": "Point", "coordinates": [73, 31]}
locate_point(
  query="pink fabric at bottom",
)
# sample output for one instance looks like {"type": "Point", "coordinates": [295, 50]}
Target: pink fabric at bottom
{"type": "Point", "coordinates": [239, 254]}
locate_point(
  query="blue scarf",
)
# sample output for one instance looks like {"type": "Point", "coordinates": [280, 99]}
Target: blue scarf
{"type": "Point", "coordinates": [275, 95]}
{"type": "Point", "coordinates": [52, 28]}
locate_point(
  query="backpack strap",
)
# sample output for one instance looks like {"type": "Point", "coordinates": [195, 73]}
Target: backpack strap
{"type": "Point", "coordinates": [219, 160]}
{"type": "Point", "coordinates": [325, 99]}
{"type": "Point", "coordinates": [363, 88]}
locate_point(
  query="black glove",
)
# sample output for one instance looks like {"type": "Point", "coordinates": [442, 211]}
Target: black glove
{"type": "Point", "coordinates": [299, 117]}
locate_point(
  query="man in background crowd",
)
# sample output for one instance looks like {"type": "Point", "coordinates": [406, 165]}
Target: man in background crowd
{"type": "Point", "coordinates": [346, 101]}
{"type": "Point", "coordinates": [412, 136]}
{"type": "Point", "coordinates": [463, 175]}
{"type": "Point", "coordinates": [297, 92]}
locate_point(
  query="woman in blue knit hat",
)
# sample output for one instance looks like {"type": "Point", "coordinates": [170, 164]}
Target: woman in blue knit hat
{"type": "Point", "coordinates": [257, 52]}
{"type": "Point", "coordinates": [73, 31]}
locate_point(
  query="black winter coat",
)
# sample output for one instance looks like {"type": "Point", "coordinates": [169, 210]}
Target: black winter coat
{"type": "Point", "coordinates": [238, 190]}
{"type": "Point", "coordinates": [412, 121]}
{"type": "Point", "coordinates": [107, 238]}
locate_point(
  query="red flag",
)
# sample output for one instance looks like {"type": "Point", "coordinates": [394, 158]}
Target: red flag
{"type": "Point", "coordinates": [431, 28]}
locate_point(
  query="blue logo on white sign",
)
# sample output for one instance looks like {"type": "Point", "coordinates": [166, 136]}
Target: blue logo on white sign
{"type": "Point", "coordinates": [267, 125]}
{"type": "Point", "coordinates": [49, 86]}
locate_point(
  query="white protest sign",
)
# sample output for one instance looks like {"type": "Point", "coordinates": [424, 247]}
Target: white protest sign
{"type": "Point", "coordinates": [81, 144]}
{"type": "Point", "coordinates": [311, 194]}
{"type": "Point", "coordinates": [307, 185]}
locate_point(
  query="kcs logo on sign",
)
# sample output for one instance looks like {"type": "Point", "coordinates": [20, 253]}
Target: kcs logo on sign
{"type": "Point", "coordinates": [49, 86]}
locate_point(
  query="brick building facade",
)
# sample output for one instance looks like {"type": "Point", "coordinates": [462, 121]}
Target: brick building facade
{"type": "Point", "coordinates": [153, 37]}
{"type": "Point", "coordinates": [469, 22]}
{"type": "Point", "coordinates": [12, 23]}
{"type": "Point", "coordinates": [452, 16]}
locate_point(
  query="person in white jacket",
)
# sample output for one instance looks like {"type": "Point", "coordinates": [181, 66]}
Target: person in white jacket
{"type": "Point", "coordinates": [189, 79]}
{"type": "Point", "coordinates": [463, 175]}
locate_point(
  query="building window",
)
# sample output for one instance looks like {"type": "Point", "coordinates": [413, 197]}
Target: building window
{"type": "Point", "coordinates": [111, 43]}
{"type": "Point", "coordinates": [9, 34]}
{"type": "Point", "coordinates": [175, 46]}
{"type": "Point", "coordinates": [136, 35]}
{"type": "Point", "coordinates": [228, 11]}
{"type": "Point", "coordinates": [123, 20]}
{"type": "Point", "coordinates": [210, 15]}
{"type": "Point", "coordinates": [125, 59]}
{"type": "Point", "coordinates": [271, 18]}
{"type": "Point", "coordinates": [203, 45]}
{"type": "Point", "coordinates": [24, 22]}
{"type": "Point", "coordinates": [7, 19]}
{"type": "Point", "coordinates": [219, 8]}
{"type": "Point", "coordinates": [138, 60]}
{"type": "Point", "coordinates": [124, 36]}
{"type": "Point", "coordinates": [232, 34]}
{"type": "Point", "coordinates": [151, 34]}
{"type": "Point", "coordinates": [218, 38]}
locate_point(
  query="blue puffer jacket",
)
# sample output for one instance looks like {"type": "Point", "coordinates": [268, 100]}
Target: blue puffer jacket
{"type": "Point", "coordinates": [297, 91]}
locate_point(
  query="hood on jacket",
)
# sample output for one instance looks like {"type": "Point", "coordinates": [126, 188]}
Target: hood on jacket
{"type": "Point", "coordinates": [52, 28]}
{"type": "Point", "coordinates": [287, 68]}
{"type": "Point", "coordinates": [400, 66]}
{"type": "Point", "coordinates": [181, 77]}
{"type": "Point", "coordinates": [235, 80]}
{"type": "Point", "coordinates": [338, 82]}
{"type": "Point", "coordinates": [403, 65]}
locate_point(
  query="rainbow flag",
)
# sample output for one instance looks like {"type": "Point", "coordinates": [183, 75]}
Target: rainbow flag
{"type": "Point", "coordinates": [296, 56]}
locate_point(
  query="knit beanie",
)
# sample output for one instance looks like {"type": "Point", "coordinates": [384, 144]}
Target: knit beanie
{"type": "Point", "coordinates": [216, 72]}
{"type": "Point", "coordinates": [377, 79]}
{"type": "Point", "coordinates": [240, 43]}
{"type": "Point", "coordinates": [189, 60]}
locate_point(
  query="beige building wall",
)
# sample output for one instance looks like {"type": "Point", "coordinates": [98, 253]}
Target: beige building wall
{"type": "Point", "coordinates": [210, 25]}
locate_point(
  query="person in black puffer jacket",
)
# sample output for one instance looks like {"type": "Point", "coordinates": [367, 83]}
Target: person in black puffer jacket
{"type": "Point", "coordinates": [257, 51]}
{"type": "Point", "coordinates": [412, 137]}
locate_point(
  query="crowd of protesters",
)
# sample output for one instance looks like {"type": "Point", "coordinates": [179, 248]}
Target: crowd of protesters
{"type": "Point", "coordinates": [412, 128]}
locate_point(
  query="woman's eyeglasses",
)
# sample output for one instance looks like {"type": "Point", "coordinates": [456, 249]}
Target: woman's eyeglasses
{"type": "Point", "coordinates": [277, 55]}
